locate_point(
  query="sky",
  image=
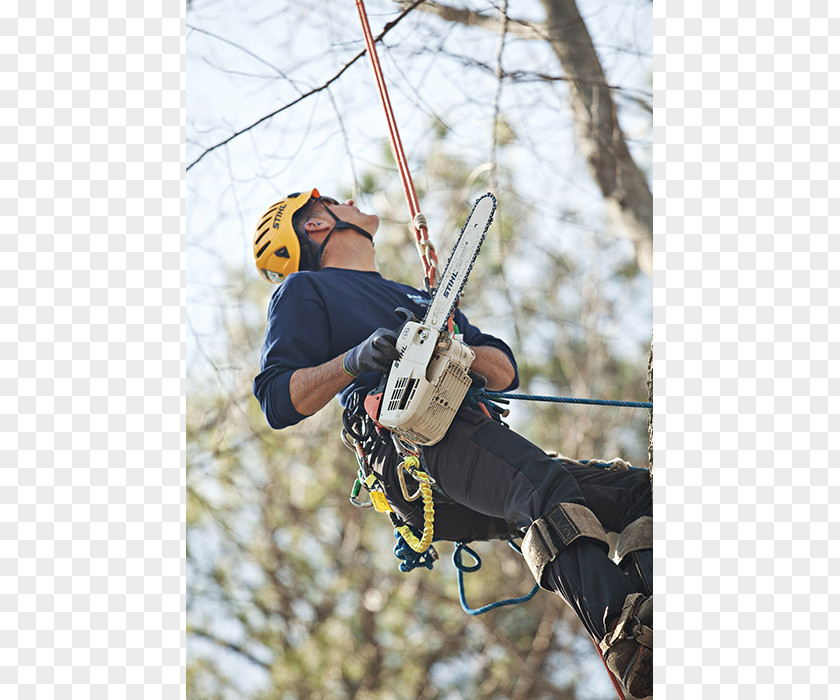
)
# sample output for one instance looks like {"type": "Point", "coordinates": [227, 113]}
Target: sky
{"type": "Point", "coordinates": [247, 59]}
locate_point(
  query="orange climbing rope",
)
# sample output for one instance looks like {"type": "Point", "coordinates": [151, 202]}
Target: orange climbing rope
{"type": "Point", "coordinates": [425, 247]}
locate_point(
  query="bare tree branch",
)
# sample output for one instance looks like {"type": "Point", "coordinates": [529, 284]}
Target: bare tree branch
{"type": "Point", "coordinates": [388, 27]}
{"type": "Point", "coordinates": [534, 76]}
{"type": "Point", "coordinates": [503, 26]}
{"type": "Point", "coordinates": [522, 29]}
{"type": "Point", "coordinates": [525, 685]}
{"type": "Point", "coordinates": [621, 181]}
{"type": "Point", "coordinates": [471, 18]}
{"type": "Point", "coordinates": [231, 646]}
{"type": "Point", "coordinates": [241, 48]}
{"type": "Point", "coordinates": [346, 141]}
{"type": "Point", "coordinates": [538, 683]}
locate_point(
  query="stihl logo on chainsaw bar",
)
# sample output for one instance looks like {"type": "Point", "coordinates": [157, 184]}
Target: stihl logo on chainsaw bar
{"type": "Point", "coordinates": [450, 284]}
{"type": "Point", "coordinates": [460, 262]}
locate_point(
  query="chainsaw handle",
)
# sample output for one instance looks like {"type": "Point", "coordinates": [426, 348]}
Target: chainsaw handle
{"type": "Point", "coordinates": [407, 317]}
{"type": "Point", "coordinates": [479, 381]}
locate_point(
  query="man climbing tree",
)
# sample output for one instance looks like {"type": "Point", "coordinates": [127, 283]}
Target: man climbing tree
{"type": "Point", "coordinates": [332, 331]}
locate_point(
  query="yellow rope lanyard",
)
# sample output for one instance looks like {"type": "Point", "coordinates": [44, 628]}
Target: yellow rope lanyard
{"type": "Point", "coordinates": [353, 435]}
{"type": "Point", "coordinates": [410, 464]}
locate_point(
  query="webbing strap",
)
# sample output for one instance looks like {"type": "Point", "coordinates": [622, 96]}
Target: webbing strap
{"type": "Point", "coordinates": [628, 625]}
{"type": "Point", "coordinates": [556, 530]}
{"type": "Point", "coordinates": [637, 536]}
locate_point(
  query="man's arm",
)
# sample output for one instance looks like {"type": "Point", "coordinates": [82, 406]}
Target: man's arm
{"type": "Point", "coordinates": [493, 365]}
{"type": "Point", "coordinates": [311, 388]}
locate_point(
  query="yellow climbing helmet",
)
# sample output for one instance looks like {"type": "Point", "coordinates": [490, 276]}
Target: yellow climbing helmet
{"type": "Point", "coordinates": [277, 248]}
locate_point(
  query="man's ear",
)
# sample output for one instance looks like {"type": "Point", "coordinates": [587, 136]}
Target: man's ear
{"type": "Point", "coordinates": [314, 226]}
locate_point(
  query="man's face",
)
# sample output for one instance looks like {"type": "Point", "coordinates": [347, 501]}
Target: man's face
{"type": "Point", "coordinates": [344, 211]}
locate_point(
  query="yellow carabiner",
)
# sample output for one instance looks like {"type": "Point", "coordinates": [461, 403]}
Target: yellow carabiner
{"type": "Point", "coordinates": [408, 497]}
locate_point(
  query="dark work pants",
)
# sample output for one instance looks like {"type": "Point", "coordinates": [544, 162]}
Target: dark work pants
{"type": "Point", "coordinates": [500, 482]}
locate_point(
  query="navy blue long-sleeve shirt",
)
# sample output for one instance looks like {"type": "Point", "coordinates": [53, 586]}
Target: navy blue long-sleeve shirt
{"type": "Point", "coordinates": [316, 316]}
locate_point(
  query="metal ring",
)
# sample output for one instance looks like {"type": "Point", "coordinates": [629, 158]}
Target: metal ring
{"type": "Point", "coordinates": [637, 628]}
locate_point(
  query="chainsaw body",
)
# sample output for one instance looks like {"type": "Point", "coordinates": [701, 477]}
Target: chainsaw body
{"type": "Point", "coordinates": [426, 385]}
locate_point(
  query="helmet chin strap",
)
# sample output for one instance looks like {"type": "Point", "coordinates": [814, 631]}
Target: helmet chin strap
{"type": "Point", "coordinates": [339, 224]}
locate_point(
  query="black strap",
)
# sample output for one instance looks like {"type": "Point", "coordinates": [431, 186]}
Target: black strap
{"type": "Point", "coordinates": [339, 224]}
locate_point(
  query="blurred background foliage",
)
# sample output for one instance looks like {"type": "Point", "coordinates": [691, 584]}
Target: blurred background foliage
{"type": "Point", "coordinates": [292, 592]}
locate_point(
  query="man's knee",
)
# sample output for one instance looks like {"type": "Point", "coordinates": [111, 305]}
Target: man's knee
{"type": "Point", "coordinates": [558, 529]}
{"type": "Point", "coordinates": [634, 553]}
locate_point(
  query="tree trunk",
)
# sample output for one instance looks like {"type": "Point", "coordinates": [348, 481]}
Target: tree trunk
{"type": "Point", "coordinates": [628, 198]}
{"type": "Point", "coordinates": [625, 189]}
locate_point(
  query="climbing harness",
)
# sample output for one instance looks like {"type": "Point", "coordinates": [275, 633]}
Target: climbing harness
{"type": "Point", "coordinates": [425, 247]}
{"type": "Point", "coordinates": [360, 435]}
{"type": "Point", "coordinates": [414, 549]}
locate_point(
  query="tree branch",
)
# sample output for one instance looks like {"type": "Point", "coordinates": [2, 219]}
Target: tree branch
{"type": "Point", "coordinates": [499, 72]}
{"type": "Point", "coordinates": [388, 27]}
{"type": "Point", "coordinates": [471, 18]}
{"type": "Point", "coordinates": [599, 137]}
{"type": "Point", "coordinates": [241, 48]}
{"type": "Point", "coordinates": [231, 646]}
{"type": "Point", "coordinates": [520, 75]}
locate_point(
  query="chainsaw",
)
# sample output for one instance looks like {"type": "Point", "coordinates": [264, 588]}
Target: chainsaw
{"type": "Point", "coordinates": [426, 386]}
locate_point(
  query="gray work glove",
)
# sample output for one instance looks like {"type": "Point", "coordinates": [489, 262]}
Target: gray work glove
{"type": "Point", "coordinates": [372, 355]}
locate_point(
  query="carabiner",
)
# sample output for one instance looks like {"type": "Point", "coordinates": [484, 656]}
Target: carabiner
{"type": "Point", "coordinates": [357, 487]}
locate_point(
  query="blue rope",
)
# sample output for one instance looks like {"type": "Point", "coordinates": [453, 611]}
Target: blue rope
{"type": "Point", "coordinates": [461, 567]}
{"type": "Point", "coordinates": [606, 465]}
{"type": "Point", "coordinates": [504, 396]}
{"type": "Point", "coordinates": [410, 559]}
